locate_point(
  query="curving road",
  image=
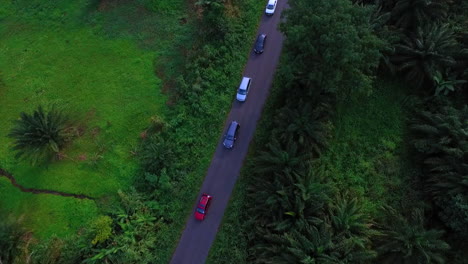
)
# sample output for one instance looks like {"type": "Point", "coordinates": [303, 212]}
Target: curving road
{"type": "Point", "coordinates": [225, 166]}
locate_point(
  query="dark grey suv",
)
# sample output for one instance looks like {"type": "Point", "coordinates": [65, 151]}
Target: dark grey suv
{"type": "Point", "coordinates": [260, 43]}
{"type": "Point", "coordinates": [231, 135]}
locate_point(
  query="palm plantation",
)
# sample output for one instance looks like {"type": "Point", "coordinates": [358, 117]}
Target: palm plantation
{"type": "Point", "coordinates": [301, 216]}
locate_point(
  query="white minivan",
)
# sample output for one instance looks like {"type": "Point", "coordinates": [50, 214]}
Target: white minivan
{"type": "Point", "coordinates": [244, 88]}
{"type": "Point", "coordinates": [270, 8]}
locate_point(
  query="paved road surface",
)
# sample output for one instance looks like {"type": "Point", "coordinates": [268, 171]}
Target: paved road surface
{"type": "Point", "coordinates": [224, 169]}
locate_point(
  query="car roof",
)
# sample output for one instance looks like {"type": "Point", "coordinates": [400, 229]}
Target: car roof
{"type": "Point", "coordinates": [232, 127]}
{"type": "Point", "coordinates": [271, 2]}
{"type": "Point", "coordinates": [243, 85]}
{"type": "Point", "coordinates": [260, 39]}
{"type": "Point", "coordinates": [204, 199]}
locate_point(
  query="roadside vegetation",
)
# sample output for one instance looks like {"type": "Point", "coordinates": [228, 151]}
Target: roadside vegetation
{"type": "Point", "coordinates": [361, 152]}
{"type": "Point", "coordinates": [140, 153]}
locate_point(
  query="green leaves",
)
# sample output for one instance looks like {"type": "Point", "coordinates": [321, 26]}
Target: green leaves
{"type": "Point", "coordinates": [441, 139]}
{"type": "Point", "coordinates": [40, 135]}
{"type": "Point", "coordinates": [409, 14]}
{"type": "Point", "coordinates": [422, 54]}
{"type": "Point", "coordinates": [407, 241]}
{"type": "Point", "coordinates": [102, 229]}
{"type": "Point", "coordinates": [12, 242]}
{"type": "Point", "coordinates": [443, 86]}
{"type": "Point", "coordinates": [331, 46]}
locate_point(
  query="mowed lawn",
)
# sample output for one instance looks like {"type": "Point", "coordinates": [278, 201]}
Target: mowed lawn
{"type": "Point", "coordinates": [107, 85]}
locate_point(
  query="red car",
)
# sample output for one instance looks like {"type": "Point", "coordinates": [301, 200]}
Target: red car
{"type": "Point", "coordinates": [202, 207]}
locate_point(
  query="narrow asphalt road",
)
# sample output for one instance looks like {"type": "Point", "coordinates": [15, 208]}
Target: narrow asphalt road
{"type": "Point", "coordinates": [225, 166]}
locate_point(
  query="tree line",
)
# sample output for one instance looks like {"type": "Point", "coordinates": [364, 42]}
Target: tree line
{"type": "Point", "coordinates": [334, 50]}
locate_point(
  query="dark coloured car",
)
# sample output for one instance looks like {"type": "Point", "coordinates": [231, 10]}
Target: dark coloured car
{"type": "Point", "coordinates": [231, 135]}
{"type": "Point", "coordinates": [202, 207]}
{"type": "Point", "coordinates": [260, 43]}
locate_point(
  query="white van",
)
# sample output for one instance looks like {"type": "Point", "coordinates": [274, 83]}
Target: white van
{"type": "Point", "coordinates": [270, 8]}
{"type": "Point", "coordinates": [244, 88]}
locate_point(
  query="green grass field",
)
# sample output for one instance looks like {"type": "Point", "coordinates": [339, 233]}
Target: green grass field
{"type": "Point", "coordinates": [90, 61]}
{"type": "Point", "coordinates": [365, 157]}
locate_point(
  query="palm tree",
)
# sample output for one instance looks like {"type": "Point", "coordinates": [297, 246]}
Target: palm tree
{"type": "Point", "coordinates": [352, 230]}
{"type": "Point", "coordinates": [408, 242]}
{"type": "Point", "coordinates": [279, 159]}
{"type": "Point", "coordinates": [410, 14]}
{"type": "Point", "coordinates": [287, 200]}
{"type": "Point", "coordinates": [40, 135]}
{"type": "Point", "coordinates": [300, 203]}
{"type": "Point", "coordinates": [423, 54]}
{"type": "Point", "coordinates": [442, 139]}
{"type": "Point", "coordinates": [347, 217]}
{"type": "Point", "coordinates": [310, 246]}
{"type": "Point", "coordinates": [156, 154]}
{"type": "Point", "coordinates": [306, 125]}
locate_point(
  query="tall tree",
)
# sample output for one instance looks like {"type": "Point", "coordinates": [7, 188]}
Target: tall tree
{"type": "Point", "coordinates": [330, 46]}
{"type": "Point", "coordinates": [422, 54]}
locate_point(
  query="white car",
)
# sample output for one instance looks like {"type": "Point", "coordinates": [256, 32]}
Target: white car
{"type": "Point", "coordinates": [244, 88]}
{"type": "Point", "coordinates": [270, 8]}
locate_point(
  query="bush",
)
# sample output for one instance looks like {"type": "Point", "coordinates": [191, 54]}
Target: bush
{"type": "Point", "coordinates": [102, 229]}
{"type": "Point", "coordinates": [41, 135]}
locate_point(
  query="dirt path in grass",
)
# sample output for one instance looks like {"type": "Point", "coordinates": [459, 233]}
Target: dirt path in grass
{"type": "Point", "coordinates": [12, 179]}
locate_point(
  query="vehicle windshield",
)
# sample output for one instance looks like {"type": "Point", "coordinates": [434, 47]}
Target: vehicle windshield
{"type": "Point", "coordinates": [229, 137]}
{"type": "Point", "coordinates": [242, 92]}
{"type": "Point", "coordinates": [201, 211]}
{"type": "Point", "coordinates": [270, 6]}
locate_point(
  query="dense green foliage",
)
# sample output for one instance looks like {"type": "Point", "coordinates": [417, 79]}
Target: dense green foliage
{"type": "Point", "coordinates": [333, 176]}
{"type": "Point", "coordinates": [11, 239]}
{"type": "Point", "coordinates": [407, 241]}
{"type": "Point", "coordinates": [424, 53]}
{"type": "Point", "coordinates": [336, 36]}
{"type": "Point", "coordinates": [200, 68]}
{"type": "Point", "coordinates": [376, 179]}
{"type": "Point", "coordinates": [441, 139]}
